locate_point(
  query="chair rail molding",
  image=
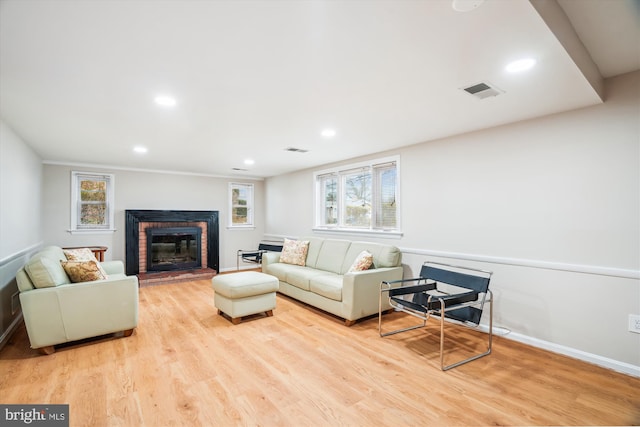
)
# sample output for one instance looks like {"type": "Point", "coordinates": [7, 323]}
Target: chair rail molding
{"type": "Point", "coordinates": [21, 253]}
{"type": "Point", "coordinates": [522, 262]}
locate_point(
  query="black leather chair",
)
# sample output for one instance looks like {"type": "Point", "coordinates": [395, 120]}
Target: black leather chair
{"type": "Point", "coordinates": [445, 291]}
{"type": "Point", "coordinates": [255, 255]}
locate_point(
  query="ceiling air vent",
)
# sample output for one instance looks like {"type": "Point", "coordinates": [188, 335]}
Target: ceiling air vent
{"type": "Point", "coordinates": [296, 150]}
{"type": "Point", "coordinates": [240, 169]}
{"type": "Point", "coordinates": [482, 90]}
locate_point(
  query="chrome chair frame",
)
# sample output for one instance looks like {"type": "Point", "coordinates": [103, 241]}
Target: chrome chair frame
{"type": "Point", "coordinates": [430, 299]}
{"type": "Point", "coordinates": [255, 255]}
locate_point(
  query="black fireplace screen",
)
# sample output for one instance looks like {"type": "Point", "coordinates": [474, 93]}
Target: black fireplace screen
{"type": "Point", "coordinates": [176, 248]}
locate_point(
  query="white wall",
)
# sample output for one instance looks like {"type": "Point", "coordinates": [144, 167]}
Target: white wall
{"type": "Point", "coordinates": [551, 205]}
{"type": "Point", "coordinates": [20, 193]}
{"type": "Point", "coordinates": [20, 220]}
{"type": "Point", "coordinates": [148, 190]}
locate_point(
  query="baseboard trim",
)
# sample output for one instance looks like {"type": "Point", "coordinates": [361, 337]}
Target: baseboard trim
{"type": "Point", "coordinates": [594, 359]}
{"type": "Point", "coordinates": [242, 267]}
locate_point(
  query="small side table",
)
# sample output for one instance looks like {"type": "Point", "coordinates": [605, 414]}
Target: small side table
{"type": "Point", "coordinates": [98, 251]}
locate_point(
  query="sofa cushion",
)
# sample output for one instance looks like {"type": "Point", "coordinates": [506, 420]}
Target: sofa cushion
{"type": "Point", "coordinates": [280, 270]}
{"type": "Point", "coordinates": [315, 244]}
{"type": "Point", "coordinates": [327, 285]}
{"type": "Point", "coordinates": [83, 271]}
{"type": "Point", "coordinates": [301, 278]}
{"type": "Point", "coordinates": [244, 284]}
{"type": "Point", "coordinates": [331, 256]}
{"type": "Point", "coordinates": [294, 252]}
{"type": "Point", "coordinates": [44, 268]}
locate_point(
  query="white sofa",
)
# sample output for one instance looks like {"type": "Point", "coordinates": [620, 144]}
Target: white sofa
{"type": "Point", "coordinates": [324, 281]}
{"type": "Point", "coordinates": [57, 311]}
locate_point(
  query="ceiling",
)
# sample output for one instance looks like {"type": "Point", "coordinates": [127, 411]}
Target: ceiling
{"type": "Point", "coordinates": [252, 78]}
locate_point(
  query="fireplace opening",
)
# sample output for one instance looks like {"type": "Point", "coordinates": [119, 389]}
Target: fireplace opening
{"type": "Point", "coordinates": [176, 248]}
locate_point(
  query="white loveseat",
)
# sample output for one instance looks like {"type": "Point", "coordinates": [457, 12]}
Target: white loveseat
{"type": "Point", "coordinates": [324, 281]}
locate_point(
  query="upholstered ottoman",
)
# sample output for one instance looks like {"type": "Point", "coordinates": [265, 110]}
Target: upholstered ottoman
{"type": "Point", "coordinates": [242, 294]}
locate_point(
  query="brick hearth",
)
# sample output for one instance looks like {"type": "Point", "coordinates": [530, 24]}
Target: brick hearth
{"type": "Point", "coordinates": [165, 277]}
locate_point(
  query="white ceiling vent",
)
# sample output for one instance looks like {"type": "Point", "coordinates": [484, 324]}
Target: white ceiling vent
{"type": "Point", "coordinates": [296, 150]}
{"type": "Point", "coordinates": [483, 90]}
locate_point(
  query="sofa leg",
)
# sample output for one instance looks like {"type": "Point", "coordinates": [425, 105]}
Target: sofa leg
{"type": "Point", "coordinates": [47, 350]}
{"type": "Point", "coordinates": [127, 333]}
{"type": "Point", "coordinates": [349, 322]}
{"type": "Point", "coordinates": [269, 313]}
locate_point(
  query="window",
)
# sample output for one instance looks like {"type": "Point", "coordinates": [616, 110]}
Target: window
{"type": "Point", "coordinates": [91, 202]}
{"type": "Point", "coordinates": [241, 205]}
{"type": "Point", "coordinates": [359, 197]}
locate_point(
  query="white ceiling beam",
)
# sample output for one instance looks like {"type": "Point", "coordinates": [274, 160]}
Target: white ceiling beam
{"type": "Point", "coordinates": [556, 19]}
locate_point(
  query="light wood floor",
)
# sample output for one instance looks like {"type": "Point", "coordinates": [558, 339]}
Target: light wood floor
{"type": "Point", "coordinates": [187, 366]}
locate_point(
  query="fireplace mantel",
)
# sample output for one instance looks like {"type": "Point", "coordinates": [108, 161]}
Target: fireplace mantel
{"type": "Point", "coordinates": [134, 217]}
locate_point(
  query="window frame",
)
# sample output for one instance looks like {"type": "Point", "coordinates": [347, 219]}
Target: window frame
{"type": "Point", "coordinates": [339, 175]}
{"type": "Point", "coordinates": [76, 178]}
{"type": "Point", "coordinates": [250, 224]}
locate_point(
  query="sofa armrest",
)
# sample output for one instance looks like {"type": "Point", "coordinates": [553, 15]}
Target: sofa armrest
{"type": "Point", "coordinates": [270, 258]}
{"type": "Point", "coordinates": [113, 267]}
{"type": "Point", "coordinates": [361, 291]}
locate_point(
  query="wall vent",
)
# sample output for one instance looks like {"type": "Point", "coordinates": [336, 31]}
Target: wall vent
{"type": "Point", "coordinates": [296, 150]}
{"type": "Point", "coordinates": [240, 169]}
{"type": "Point", "coordinates": [483, 90]}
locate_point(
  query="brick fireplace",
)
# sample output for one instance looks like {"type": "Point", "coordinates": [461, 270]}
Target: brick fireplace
{"type": "Point", "coordinates": [147, 228]}
{"type": "Point", "coordinates": [138, 223]}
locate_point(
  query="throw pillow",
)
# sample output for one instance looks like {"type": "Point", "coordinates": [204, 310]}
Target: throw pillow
{"type": "Point", "coordinates": [294, 252]}
{"type": "Point", "coordinates": [83, 254]}
{"type": "Point", "coordinates": [362, 262]}
{"type": "Point", "coordinates": [83, 271]}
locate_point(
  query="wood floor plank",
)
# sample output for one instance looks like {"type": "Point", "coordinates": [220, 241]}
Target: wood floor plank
{"type": "Point", "coordinates": [185, 365]}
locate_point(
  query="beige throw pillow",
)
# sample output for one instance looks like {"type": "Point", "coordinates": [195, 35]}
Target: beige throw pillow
{"type": "Point", "coordinates": [294, 252]}
{"type": "Point", "coordinates": [83, 271]}
{"type": "Point", "coordinates": [80, 254]}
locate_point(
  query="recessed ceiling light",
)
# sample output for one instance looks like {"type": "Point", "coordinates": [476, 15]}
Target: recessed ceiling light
{"type": "Point", "coordinates": [249, 161]}
{"type": "Point", "coordinates": [140, 149]}
{"type": "Point", "coordinates": [165, 101]}
{"type": "Point", "coordinates": [520, 65]}
{"type": "Point", "coordinates": [328, 133]}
